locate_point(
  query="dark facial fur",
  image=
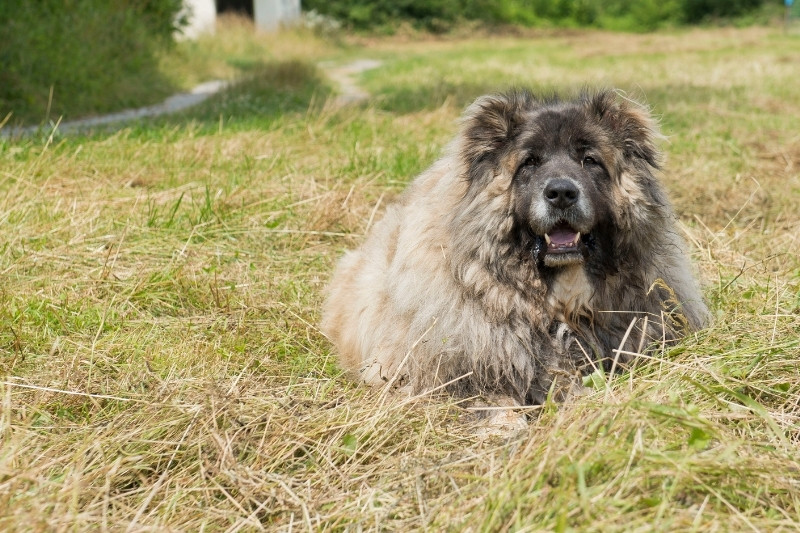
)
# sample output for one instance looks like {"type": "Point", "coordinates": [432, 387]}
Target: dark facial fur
{"type": "Point", "coordinates": [566, 159]}
{"type": "Point", "coordinates": [558, 190]}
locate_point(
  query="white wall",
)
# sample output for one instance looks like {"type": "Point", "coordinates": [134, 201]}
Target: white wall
{"type": "Point", "coordinates": [202, 18]}
{"type": "Point", "coordinates": [269, 15]}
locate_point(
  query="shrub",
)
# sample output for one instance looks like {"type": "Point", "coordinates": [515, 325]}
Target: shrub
{"type": "Point", "coordinates": [701, 10]}
{"type": "Point", "coordinates": [635, 15]}
{"type": "Point", "coordinates": [93, 55]}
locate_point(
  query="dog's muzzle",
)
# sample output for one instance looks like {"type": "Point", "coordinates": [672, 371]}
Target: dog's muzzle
{"type": "Point", "coordinates": [565, 214]}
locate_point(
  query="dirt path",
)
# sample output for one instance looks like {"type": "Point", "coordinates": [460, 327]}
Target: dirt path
{"type": "Point", "coordinates": [343, 76]}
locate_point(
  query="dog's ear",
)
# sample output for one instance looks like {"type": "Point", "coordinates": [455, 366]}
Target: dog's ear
{"type": "Point", "coordinates": [491, 122]}
{"type": "Point", "coordinates": [631, 125]}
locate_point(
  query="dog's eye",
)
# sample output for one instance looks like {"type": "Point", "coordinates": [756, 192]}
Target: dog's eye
{"type": "Point", "coordinates": [532, 161]}
{"type": "Point", "coordinates": [589, 160]}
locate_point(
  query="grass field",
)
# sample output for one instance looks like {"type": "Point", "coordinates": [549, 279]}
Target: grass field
{"type": "Point", "coordinates": [162, 369]}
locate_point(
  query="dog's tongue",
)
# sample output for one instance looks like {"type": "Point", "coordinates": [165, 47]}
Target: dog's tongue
{"type": "Point", "coordinates": [562, 236]}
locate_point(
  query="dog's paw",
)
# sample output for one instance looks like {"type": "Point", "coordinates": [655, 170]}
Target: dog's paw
{"type": "Point", "coordinates": [497, 416]}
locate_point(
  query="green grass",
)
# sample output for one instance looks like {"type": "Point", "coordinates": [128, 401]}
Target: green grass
{"type": "Point", "coordinates": [161, 283]}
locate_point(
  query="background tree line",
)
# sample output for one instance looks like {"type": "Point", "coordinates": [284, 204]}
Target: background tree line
{"type": "Point", "coordinates": [440, 15]}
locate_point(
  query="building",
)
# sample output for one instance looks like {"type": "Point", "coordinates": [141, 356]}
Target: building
{"type": "Point", "coordinates": [268, 15]}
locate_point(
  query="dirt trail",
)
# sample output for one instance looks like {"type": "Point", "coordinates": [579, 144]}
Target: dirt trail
{"type": "Point", "coordinates": [345, 77]}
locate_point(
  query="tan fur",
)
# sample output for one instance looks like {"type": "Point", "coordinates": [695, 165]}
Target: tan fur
{"type": "Point", "coordinates": [570, 295]}
{"type": "Point", "coordinates": [440, 293]}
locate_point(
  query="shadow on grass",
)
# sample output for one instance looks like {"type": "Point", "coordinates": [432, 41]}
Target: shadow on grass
{"type": "Point", "coordinates": [436, 93]}
{"type": "Point", "coordinates": [267, 93]}
{"type": "Point", "coordinates": [426, 97]}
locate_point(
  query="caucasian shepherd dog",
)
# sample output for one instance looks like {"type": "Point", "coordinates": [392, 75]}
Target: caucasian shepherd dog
{"type": "Point", "coordinates": [538, 248]}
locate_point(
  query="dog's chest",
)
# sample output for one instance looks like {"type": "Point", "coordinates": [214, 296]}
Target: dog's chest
{"type": "Point", "coordinates": [569, 294]}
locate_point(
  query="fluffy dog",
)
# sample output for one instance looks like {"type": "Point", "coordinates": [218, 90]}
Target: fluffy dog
{"type": "Point", "coordinates": [540, 246]}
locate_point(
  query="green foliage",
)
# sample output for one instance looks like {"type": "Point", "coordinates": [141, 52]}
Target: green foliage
{"type": "Point", "coordinates": [73, 57]}
{"type": "Point", "coordinates": [700, 10]}
{"type": "Point", "coordinates": [436, 15]}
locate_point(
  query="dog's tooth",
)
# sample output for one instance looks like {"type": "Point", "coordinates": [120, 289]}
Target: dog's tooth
{"type": "Point", "coordinates": [547, 238]}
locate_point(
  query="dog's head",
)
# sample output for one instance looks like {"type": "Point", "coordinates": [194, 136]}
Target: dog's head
{"type": "Point", "coordinates": [577, 174]}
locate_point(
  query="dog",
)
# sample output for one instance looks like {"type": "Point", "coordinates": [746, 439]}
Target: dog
{"type": "Point", "coordinates": [540, 247]}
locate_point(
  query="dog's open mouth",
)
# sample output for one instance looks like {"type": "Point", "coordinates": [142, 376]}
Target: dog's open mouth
{"type": "Point", "coordinates": [562, 246]}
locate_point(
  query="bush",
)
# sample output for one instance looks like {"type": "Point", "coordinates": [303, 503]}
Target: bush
{"type": "Point", "coordinates": [638, 15]}
{"type": "Point", "coordinates": [701, 10]}
{"type": "Point", "coordinates": [94, 55]}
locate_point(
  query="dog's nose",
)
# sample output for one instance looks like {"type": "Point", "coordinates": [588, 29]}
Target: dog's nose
{"type": "Point", "coordinates": [561, 193]}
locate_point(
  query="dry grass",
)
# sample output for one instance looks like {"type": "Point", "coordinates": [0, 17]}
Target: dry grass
{"type": "Point", "coordinates": [162, 368]}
